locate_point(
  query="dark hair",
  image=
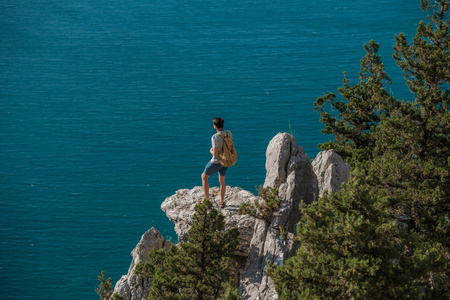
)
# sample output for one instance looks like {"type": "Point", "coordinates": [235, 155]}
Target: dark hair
{"type": "Point", "coordinates": [218, 122]}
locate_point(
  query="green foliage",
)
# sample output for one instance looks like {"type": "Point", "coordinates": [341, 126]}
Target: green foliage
{"type": "Point", "coordinates": [104, 288]}
{"type": "Point", "coordinates": [385, 235]}
{"type": "Point", "coordinates": [283, 233]}
{"type": "Point", "coordinates": [117, 296]}
{"type": "Point", "coordinates": [359, 110]}
{"type": "Point", "coordinates": [416, 141]}
{"type": "Point", "coordinates": [353, 248]}
{"type": "Point", "coordinates": [230, 291]}
{"type": "Point", "coordinates": [262, 209]}
{"type": "Point", "coordinates": [200, 268]}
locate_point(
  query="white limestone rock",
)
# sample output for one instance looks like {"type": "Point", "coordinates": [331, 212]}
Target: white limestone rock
{"type": "Point", "coordinates": [290, 171]}
{"type": "Point", "coordinates": [331, 171]}
{"type": "Point", "coordinates": [132, 286]}
{"type": "Point", "coordinates": [179, 208]}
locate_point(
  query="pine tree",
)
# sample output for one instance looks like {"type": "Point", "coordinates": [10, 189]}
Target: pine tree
{"type": "Point", "coordinates": [417, 139]}
{"type": "Point", "coordinates": [200, 268]}
{"type": "Point", "coordinates": [104, 288]}
{"type": "Point", "coordinates": [360, 109]}
{"type": "Point", "coordinates": [349, 243]}
{"type": "Point", "coordinates": [414, 170]}
{"type": "Point", "coordinates": [385, 235]}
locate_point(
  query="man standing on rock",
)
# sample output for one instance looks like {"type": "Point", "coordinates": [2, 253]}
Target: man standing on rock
{"type": "Point", "coordinates": [214, 165]}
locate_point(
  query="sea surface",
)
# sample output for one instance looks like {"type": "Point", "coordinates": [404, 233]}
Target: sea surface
{"type": "Point", "coordinates": [106, 109]}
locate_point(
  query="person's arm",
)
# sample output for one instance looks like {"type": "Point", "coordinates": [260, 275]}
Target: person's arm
{"type": "Point", "coordinates": [214, 151]}
{"type": "Point", "coordinates": [214, 146]}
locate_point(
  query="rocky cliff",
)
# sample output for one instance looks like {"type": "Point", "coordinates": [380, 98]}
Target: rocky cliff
{"type": "Point", "coordinates": [289, 170]}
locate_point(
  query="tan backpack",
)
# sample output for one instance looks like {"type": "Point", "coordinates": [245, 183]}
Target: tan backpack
{"type": "Point", "coordinates": [228, 156]}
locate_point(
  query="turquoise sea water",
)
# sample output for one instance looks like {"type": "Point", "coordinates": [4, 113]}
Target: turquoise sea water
{"type": "Point", "coordinates": [106, 109]}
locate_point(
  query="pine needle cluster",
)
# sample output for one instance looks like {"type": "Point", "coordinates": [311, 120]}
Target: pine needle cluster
{"type": "Point", "coordinates": [263, 207]}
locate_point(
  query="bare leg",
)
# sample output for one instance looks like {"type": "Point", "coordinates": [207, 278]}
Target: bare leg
{"type": "Point", "coordinates": [223, 188]}
{"type": "Point", "coordinates": [205, 185]}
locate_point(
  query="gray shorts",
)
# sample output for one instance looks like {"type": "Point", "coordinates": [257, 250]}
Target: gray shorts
{"type": "Point", "coordinates": [212, 168]}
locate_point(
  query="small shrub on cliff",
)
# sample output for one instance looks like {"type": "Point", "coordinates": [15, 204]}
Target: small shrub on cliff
{"type": "Point", "coordinates": [199, 269]}
{"type": "Point", "coordinates": [104, 288]}
{"type": "Point", "coordinates": [117, 296]}
{"type": "Point", "coordinates": [262, 209]}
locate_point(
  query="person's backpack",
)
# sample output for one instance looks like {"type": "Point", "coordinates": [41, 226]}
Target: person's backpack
{"type": "Point", "coordinates": [228, 156]}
